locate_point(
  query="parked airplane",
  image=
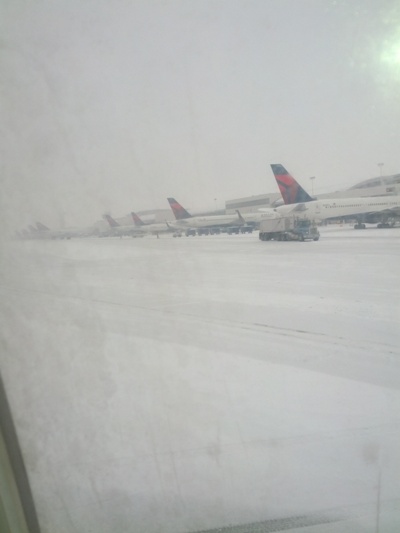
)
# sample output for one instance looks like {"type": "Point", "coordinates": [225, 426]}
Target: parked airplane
{"type": "Point", "coordinates": [68, 233]}
{"type": "Point", "coordinates": [40, 231]}
{"type": "Point", "coordinates": [203, 224]}
{"type": "Point", "coordinates": [118, 230]}
{"type": "Point", "coordinates": [153, 229]}
{"type": "Point", "coordinates": [377, 209]}
{"type": "Point", "coordinates": [31, 233]}
{"type": "Point", "coordinates": [33, 230]}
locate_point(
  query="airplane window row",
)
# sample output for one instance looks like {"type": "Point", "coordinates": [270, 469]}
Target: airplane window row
{"type": "Point", "coordinates": [361, 205]}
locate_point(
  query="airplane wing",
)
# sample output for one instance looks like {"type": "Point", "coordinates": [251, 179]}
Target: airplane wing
{"type": "Point", "coordinates": [390, 211]}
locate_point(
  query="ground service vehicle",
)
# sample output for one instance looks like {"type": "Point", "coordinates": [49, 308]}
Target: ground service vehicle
{"type": "Point", "coordinates": [288, 229]}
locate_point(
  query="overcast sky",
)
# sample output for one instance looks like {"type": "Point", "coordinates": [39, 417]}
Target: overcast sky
{"type": "Point", "coordinates": [115, 105]}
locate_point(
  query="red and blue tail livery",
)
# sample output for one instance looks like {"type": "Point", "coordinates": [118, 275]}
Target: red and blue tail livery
{"type": "Point", "coordinates": [137, 220]}
{"type": "Point", "coordinates": [179, 212]}
{"type": "Point", "coordinates": [291, 191]}
{"type": "Point", "coordinates": [113, 223]}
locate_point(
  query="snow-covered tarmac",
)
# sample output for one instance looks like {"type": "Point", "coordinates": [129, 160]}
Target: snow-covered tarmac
{"type": "Point", "coordinates": [176, 385]}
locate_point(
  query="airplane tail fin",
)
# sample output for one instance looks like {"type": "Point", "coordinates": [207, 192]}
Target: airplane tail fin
{"type": "Point", "coordinates": [137, 220]}
{"type": "Point", "coordinates": [291, 191]}
{"type": "Point", "coordinates": [179, 211]}
{"type": "Point", "coordinates": [241, 219]}
{"type": "Point", "coordinates": [41, 227]}
{"type": "Point", "coordinates": [113, 223]}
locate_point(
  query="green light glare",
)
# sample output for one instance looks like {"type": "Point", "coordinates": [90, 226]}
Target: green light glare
{"type": "Point", "coordinates": [391, 54]}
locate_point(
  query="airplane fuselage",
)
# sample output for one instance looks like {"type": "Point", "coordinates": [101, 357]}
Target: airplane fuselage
{"type": "Point", "coordinates": [155, 228]}
{"type": "Point", "coordinates": [256, 218]}
{"type": "Point", "coordinates": [341, 207]}
{"type": "Point", "coordinates": [125, 230]}
{"type": "Point", "coordinates": [206, 222]}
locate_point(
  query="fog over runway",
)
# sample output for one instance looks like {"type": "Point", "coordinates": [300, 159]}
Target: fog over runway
{"type": "Point", "coordinates": [178, 385]}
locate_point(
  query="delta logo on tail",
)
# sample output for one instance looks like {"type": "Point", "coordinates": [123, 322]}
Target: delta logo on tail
{"type": "Point", "coordinates": [179, 211]}
{"type": "Point", "coordinates": [113, 223]}
{"type": "Point", "coordinates": [291, 191]}
{"type": "Point", "coordinates": [137, 220]}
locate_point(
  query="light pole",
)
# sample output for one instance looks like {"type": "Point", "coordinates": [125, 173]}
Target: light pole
{"type": "Point", "coordinates": [380, 165]}
{"type": "Point", "coordinates": [312, 185]}
{"type": "Point", "coordinates": [215, 203]}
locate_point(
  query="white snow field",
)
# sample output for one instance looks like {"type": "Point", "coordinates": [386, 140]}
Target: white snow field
{"type": "Point", "coordinates": [178, 385]}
